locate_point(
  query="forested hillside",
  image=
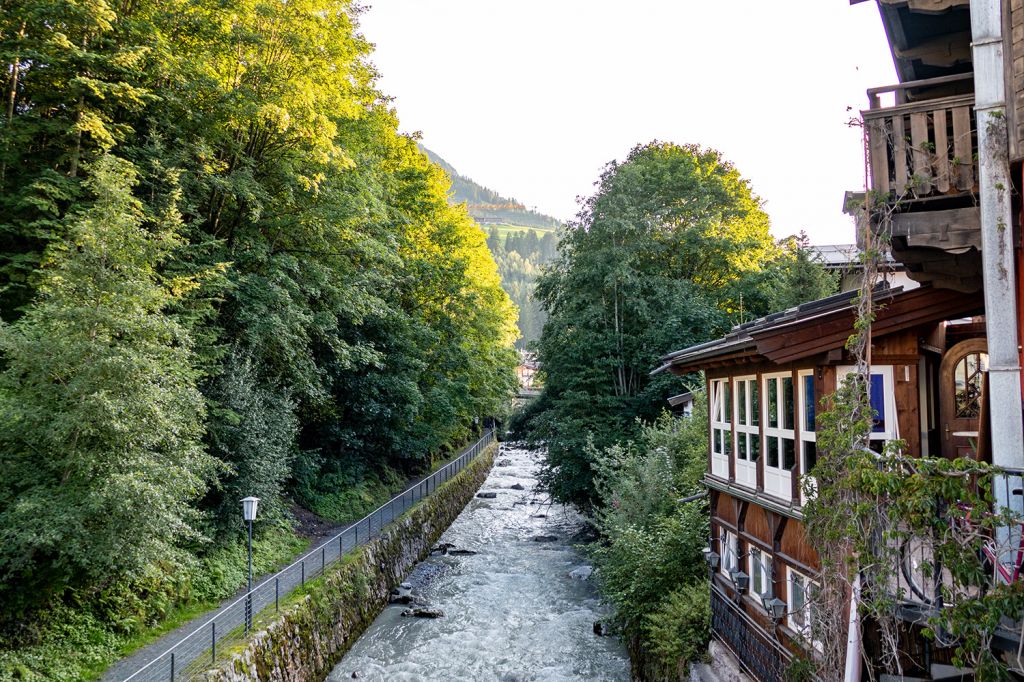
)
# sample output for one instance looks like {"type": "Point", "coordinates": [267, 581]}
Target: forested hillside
{"type": "Point", "coordinates": [521, 254]}
{"type": "Point", "coordinates": [521, 241]}
{"type": "Point", "coordinates": [224, 273]}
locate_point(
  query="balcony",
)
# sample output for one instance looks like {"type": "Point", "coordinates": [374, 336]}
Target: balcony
{"type": "Point", "coordinates": [923, 166]}
{"type": "Point", "coordinates": [925, 149]}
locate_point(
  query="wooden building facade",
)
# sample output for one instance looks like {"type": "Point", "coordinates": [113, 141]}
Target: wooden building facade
{"type": "Point", "coordinates": [765, 385]}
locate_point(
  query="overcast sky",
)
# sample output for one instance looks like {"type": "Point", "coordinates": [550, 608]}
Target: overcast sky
{"type": "Point", "coordinates": [531, 98]}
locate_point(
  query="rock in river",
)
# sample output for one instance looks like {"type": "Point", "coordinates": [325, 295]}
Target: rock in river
{"type": "Point", "coordinates": [423, 613]}
{"type": "Point", "coordinates": [545, 538]}
{"type": "Point", "coordinates": [487, 495]}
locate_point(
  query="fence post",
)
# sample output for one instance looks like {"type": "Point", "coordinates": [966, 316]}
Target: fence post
{"type": "Point", "coordinates": [341, 545]}
{"type": "Point", "coordinates": [277, 593]}
{"type": "Point", "coordinates": [303, 571]}
{"type": "Point", "coordinates": [323, 558]}
{"type": "Point", "coordinates": [172, 666]}
{"type": "Point", "coordinates": [213, 641]}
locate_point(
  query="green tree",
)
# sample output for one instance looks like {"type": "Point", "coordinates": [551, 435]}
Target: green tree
{"type": "Point", "coordinates": [101, 419]}
{"type": "Point", "coordinates": [648, 267]}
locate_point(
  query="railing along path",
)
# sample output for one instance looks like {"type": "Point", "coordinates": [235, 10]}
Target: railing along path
{"type": "Point", "coordinates": [198, 649]}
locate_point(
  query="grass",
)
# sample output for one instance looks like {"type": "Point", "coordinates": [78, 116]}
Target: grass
{"type": "Point", "coordinates": [505, 230]}
{"type": "Point", "coordinates": [76, 644]}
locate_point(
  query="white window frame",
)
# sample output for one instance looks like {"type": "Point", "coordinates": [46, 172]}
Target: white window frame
{"type": "Point", "coordinates": [778, 481]}
{"type": "Point", "coordinates": [747, 432]}
{"type": "Point", "coordinates": [730, 550]}
{"type": "Point", "coordinates": [807, 585]}
{"type": "Point", "coordinates": [720, 426]}
{"type": "Point", "coordinates": [890, 428]}
{"type": "Point", "coordinates": [759, 567]}
{"type": "Point", "coordinates": [806, 436]}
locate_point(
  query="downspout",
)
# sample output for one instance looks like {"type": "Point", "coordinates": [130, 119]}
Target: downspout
{"type": "Point", "coordinates": [853, 648]}
{"type": "Point", "coordinates": [997, 249]}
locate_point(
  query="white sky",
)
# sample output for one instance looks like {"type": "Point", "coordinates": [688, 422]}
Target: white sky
{"type": "Point", "coordinates": [531, 98]}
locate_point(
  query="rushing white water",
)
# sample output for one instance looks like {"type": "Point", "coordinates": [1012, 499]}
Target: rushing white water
{"type": "Point", "coordinates": [513, 611]}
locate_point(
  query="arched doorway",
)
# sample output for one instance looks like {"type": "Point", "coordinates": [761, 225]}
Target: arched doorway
{"type": "Point", "coordinates": [962, 377]}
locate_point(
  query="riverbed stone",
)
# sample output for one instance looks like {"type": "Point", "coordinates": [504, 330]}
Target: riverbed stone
{"type": "Point", "coordinates": [423, 613]}
{"type": "Point", "coordinates": [581, 572]}
{"type": "Point", "coordinates": [487, 495]}
{"type": "Point", "coordinates": [545, 538]}
{"type": "Point", "coordinates": [518, 486]}
{"type": "Point", "coordinates": [461, 552]}
{"type": "Point", "coordinates": [504, 463]}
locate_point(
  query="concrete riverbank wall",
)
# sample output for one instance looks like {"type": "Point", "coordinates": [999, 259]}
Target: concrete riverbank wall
{"type": "Point", "coordinates": [320, 621]}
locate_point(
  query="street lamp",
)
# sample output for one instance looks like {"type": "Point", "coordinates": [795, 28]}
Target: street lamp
{"type": "Point", "coordinates": [249, 505]}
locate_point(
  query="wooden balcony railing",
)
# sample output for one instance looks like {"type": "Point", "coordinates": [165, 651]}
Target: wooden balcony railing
{"type": "Point", "coordinates": [925, 149]}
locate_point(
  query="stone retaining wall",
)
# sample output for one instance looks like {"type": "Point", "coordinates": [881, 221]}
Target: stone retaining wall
{"type": "Point", "coordinates": [313, 633]}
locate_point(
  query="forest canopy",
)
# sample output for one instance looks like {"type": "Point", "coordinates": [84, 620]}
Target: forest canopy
{"type": "Point", "coordinates": [223, 272]}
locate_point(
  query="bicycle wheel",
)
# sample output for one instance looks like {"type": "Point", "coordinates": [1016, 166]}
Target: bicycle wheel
{"type": "Point", "coordinates": [918, 568]}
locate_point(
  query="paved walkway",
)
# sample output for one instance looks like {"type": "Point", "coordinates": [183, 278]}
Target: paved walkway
{"type": "Point", "coordinates": [194, 644]}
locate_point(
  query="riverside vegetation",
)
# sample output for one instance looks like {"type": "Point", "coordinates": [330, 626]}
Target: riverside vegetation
{"type": "Point", "coordinates": [223, 272]}
{"type": "Point", "coordinates": [671, 250]}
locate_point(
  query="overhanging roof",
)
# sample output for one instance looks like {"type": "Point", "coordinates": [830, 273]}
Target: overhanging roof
{"type": "Point", "coordinates": [821, 326]}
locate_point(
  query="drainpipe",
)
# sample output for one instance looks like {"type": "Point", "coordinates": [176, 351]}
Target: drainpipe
{"type": "Point", "coordinates": [851, 672]}
{"type": "Point", "coordinates": [997, 249]}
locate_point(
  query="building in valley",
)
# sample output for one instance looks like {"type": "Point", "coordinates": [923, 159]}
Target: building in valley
{"type": "Point", "coordinates": [945, 147]}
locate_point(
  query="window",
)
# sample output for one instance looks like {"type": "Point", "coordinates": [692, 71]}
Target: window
{"type": "Point", "coordinates": [760, 570]}
{"type": "Point", "coordinates": [721, 427]}
{"type": "Point", "coordinates": [802, 608]}
{"type": "Point", "coordinates": [884, 426]}
{"type": "Point", "coordinates": [748, 436]}
{"type": "Point", "coordinates": [780, 434]}
{"type": "Point", "coordinates": [808, 435]}
{"type": "Point", "coordinates": [730, 552]}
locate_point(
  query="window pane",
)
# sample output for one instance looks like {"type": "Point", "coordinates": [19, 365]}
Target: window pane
{"type": "Point", "coordinates": [727, 404]}
{"type": "Point", "coordinates": [717, 447]}
{"type": "Point", "coordinates": [810, 456]}
{"type": "Point", "coordinates": [878, 402]}
{"type": "Point", "coordinates": [808, 403]}
{"type": "Point", "coordinates": [755, 447]}
{"type": "Point", "coordinates": [727, 442]}
{"type": "Point", "coordinates": [741, 402]}
{"type": "Point", "coordinates": [797, 601]}
{"type": "Point", "coordinates": [741, 446]}
{"type": "Point", "coordinates": [755, 404]}
{"type": "Point", "coordinates": [773, 403]}
{"type": "Point", "coordinates": [788, 454]}
{"type": "Point", "coordinates": [773, 452]}
{"type": "Point", "coordinates": [787, 403]}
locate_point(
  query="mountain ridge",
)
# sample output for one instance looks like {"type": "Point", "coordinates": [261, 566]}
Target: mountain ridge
{"type": "Point", "coordinates": [486, 206]}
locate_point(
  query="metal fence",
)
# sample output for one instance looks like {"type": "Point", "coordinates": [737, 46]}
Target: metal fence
{"type": "Point", "coordinates": [762, 656]}
{"type": "Point", "coordinates": [197, 650]}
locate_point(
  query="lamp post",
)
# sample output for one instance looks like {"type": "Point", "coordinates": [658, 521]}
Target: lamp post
{"type": "Point", "coordinates": [249, 514]}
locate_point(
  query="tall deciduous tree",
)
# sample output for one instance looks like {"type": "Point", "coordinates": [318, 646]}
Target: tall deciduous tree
{"type": "Point", "coordinates": [100, 447]}
{"type": "Point", "coordinates": [645, 268]}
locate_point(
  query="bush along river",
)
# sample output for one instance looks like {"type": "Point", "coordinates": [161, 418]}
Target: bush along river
{"type": "Point", "coordinates": [503, 597]}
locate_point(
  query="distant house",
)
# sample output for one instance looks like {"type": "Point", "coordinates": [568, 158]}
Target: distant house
{"type": "Point", "coordinates": [764, 385]}
{"type": "Point", "coordinates": [681, 405]}
{"type": "Point", "coordinates": [527, 369]}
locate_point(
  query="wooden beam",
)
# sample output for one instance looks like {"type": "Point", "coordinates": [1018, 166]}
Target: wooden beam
{"type": "Point", "coordinates": [956, 228]}
{"type": "Point", "coordinates": [930, 6]}
{"type": "Point", "coordinates": [945, 51]}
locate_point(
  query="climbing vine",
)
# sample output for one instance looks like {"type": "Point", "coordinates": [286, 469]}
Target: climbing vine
{"type": "Point", "coordinates": [893, 528]}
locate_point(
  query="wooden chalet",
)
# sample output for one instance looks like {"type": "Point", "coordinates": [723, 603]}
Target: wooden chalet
{"type": "Point", "coordinates": [765, 381]}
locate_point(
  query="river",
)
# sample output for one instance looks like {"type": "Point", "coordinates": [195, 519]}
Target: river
{"type": "Point", "coordinates": [518, 610]}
